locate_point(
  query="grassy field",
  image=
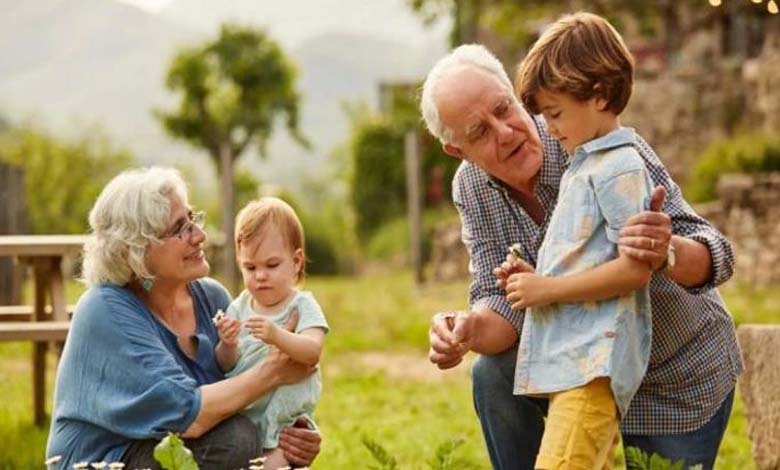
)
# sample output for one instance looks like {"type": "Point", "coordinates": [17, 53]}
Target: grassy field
{"type": "Point", "coordinates": [377, 382]}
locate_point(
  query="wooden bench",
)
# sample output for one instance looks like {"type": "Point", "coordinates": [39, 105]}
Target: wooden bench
{"type": "Point", "coordinates": [13, 313]}
{"type": "Point", "coordinates": [41, 331]}
{"type": "Point", "coordinates": [43, 254]}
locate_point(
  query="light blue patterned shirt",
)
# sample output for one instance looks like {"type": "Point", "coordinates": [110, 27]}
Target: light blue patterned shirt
{"type": "Point", "coordinates": [567, 345]}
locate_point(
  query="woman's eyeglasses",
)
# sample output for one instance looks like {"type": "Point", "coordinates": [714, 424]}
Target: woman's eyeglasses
{"type": "Point", "coordinates": [195, 219]}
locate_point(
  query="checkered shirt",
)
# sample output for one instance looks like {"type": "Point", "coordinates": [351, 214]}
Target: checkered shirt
{"type": "Point", "coordinates": [695, 358]}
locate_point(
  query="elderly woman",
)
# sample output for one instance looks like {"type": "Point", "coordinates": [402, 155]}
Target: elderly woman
{"type": "Point", "coordinates": [139, 361]}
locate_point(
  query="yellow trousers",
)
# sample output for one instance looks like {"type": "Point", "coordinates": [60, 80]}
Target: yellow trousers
{"type": "Point", "coordinates": [582, 429]}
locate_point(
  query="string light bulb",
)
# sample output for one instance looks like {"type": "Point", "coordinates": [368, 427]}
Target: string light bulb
{"type": "Point", "coordinates": [715, 3]}
{"type": "Point", "coordinates": [772, 7]}
{"type": "Point", "coordinates": [757, 1]}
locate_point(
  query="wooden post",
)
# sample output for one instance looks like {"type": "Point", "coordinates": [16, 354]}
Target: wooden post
{"type": "Point", "coordinates": [414, 202]}
{"type": "Point", "coordinates": [12, 221]}
{"type": "Point", "coordinates": [41, 271]}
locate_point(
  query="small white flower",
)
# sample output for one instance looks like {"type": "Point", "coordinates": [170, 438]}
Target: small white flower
{"type": "Point", "coordinates": [256, 467]}
{"type": "Point", "coordinates": [286, 467]}
{"type": "Point", "coordinates": [116, 465]}
{"type": "Point", "coordinates": [52, 460]}
{"type": "Point", "coordinates": [257, 460]}
{"type": "Point", "coordinates": [81, 465]}
{"type": "Point", "coordinates": [98, 465]}
{"type": "Point", "coordinates": [219, 316]}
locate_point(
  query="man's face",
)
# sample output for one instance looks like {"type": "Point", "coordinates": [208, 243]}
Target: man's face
{"type": "Point", "coordinates": [489, 127]}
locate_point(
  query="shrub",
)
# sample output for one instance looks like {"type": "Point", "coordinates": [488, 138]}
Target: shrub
{"type": "Point", "coordinates": [747, 153]}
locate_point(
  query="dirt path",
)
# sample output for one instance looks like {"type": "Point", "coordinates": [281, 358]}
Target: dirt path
{"type": "Point", "coordinates": [396, 365]}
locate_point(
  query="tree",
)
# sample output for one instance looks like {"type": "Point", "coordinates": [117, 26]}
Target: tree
{"type": "Point", "coordinates": [232, 91]}
{"type": "Point", "coordinates": [62, 178]}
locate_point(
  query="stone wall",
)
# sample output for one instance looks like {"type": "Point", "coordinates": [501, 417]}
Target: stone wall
{"type": "Point", "coordinates": [748, 213]}
{"type": "Point", "coordinates": [701, 97]}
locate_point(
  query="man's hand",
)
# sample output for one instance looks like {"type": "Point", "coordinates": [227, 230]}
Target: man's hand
{"type": "Point", "coordinates": [300, 444]}
{"type": "Point", "coordinates": [451, 336]}
{"type": "Point", "coordinates": [646, 236]}
{"type": "Point", "coordinates": [511, 265]}
{"type": "Point", "coordinates": [528, 290]}
{"type": "Point", "coordinates": [228, 329]}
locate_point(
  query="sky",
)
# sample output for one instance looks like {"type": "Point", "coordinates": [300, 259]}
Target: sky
{"type": "Point", "coordinates": [294, 21]}
{"type": "Point", "coordinates": [152, 6]}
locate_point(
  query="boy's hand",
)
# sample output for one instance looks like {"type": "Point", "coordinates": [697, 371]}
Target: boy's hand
{"type": "Point", "coordinates": [527, 290]}
{"type": "Point", "coordinates": [262, 328]}
{"type": "Point", "coordinates": [228, 329]}
{"type": "Point", "coordinates": [512, 264]}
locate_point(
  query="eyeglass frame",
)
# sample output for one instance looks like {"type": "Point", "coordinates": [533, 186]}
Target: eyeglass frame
{"type": "Point", "coordinates": [194, 219]}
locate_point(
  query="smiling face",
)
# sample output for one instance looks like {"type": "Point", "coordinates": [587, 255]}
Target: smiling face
{"type": "Point", "coordinates": [178, 260]}
{"type": "Point", "coordinates": [573, 122]}
{"type": "Point", "coordinates": [489, 127]}
{"type": "Point", "coordinates": [270, 268]}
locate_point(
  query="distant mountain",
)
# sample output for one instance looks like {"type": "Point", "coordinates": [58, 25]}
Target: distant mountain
{"type": "Point", "coordinates": [70, 64]}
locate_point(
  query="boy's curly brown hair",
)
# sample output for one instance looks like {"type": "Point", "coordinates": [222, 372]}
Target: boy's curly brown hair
{"type": "Point", "coordinates": [581, 55]}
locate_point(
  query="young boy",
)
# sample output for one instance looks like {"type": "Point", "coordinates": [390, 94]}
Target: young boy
{"type": "Point", "coordinates": [585, 342]}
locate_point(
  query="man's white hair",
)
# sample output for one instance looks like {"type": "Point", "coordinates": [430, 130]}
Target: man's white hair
{"type": "Point", "coordinates": [131, 212]}
{"type": "Point", "coordinates": [467, 55]}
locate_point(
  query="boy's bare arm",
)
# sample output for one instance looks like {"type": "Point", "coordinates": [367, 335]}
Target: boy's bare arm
{"type": "Point", "coordinates": [611, 279]}
{"type": "Point", "coordinates": [304, 347]}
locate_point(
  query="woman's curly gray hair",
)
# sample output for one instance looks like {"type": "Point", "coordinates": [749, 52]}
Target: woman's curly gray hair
{"type": "Point", "coordinates": [131, 212]}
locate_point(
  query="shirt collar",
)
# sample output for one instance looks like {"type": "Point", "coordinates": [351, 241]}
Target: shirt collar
{"type": "Point", "coordinates": [617, 138]}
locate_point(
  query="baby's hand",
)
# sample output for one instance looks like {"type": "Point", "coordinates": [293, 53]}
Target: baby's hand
{"type": "Point", "coordinates": [262, 328]}
{"type": "Point", "coordinates": [228, 329]}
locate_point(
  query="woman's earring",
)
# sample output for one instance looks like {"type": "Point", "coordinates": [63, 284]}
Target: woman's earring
{"type": "Point", "coordinates": [147, 284]}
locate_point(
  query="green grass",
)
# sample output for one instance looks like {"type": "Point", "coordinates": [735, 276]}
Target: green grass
{"type": "Point", "coordinates": [377, 383]}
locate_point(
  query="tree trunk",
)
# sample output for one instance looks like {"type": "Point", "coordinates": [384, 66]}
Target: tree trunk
{"type": "Point", "coordinates": [12, 221]}
{"type": "Point", "coordinates": [228, 203]}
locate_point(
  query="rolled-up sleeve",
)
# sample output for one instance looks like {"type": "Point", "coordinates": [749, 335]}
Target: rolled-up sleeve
{"type": "Point", "coordinates": [687, 223]}
{"type": "Point", "coordinates": [485, 255]}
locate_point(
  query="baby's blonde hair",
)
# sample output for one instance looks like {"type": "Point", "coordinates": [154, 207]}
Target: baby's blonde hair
{"type": "Point", "coordinates": [257, 216]}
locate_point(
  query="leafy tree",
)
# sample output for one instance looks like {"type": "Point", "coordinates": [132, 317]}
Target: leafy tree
{"type": "Point", "coordinates": [232, 90]}
{"type": "Point", "coordinates": [62, 178]}
{"type": "Point", "coordinates": [508, 26]}
{"type": "Point", "coordinates": [377, 171]}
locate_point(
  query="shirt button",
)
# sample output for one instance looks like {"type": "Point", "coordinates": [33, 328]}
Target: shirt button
{"type": "Point", "coordinates": [610, 334]}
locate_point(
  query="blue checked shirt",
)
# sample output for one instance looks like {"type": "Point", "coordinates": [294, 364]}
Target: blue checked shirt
{"type": "Point", "coordinates": [694, 359]}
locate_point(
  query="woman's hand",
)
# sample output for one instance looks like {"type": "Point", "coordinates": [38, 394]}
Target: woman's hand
{"type": "Point", "coordinates": [300, 444]}
{"type": "Point", "coordinates": [228, 329]}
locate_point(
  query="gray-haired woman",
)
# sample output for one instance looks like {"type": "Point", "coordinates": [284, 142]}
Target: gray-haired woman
{"type": "Point", "coordinates": [139, 360]}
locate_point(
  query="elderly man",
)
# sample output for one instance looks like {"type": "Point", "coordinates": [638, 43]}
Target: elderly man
{"type": "Point", "coordinates": [505, 190]}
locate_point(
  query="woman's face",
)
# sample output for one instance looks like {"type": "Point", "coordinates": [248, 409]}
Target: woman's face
{"type": "Point", "coordinates": [180, 257]}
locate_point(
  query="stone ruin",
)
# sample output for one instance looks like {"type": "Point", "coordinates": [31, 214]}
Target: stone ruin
{"type": "Point", "coordinates": [748, 213]}
{"type": "Point", "coordinates": [758, 385]}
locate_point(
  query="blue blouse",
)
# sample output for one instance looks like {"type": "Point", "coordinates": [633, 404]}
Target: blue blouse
{"type": "Point", "coordinates": [123, 376]}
